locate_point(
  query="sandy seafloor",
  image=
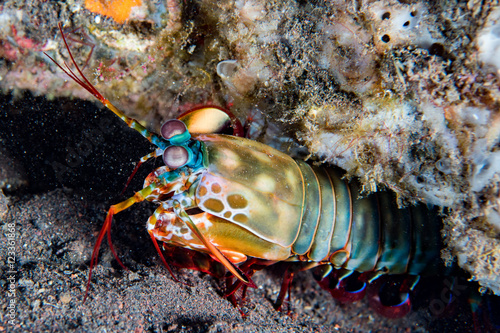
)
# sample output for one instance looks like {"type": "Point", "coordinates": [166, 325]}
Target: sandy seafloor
{"type": "Point", "coordinates": [58, 212]}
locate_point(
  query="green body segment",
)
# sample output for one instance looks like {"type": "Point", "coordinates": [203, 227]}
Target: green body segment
{"type": "Point", "coordinates": [426, 237]}
{"type": "Point", "coordinates": [340, 246]}
{"type": "Point", "coordinates": [370, 233]}
{"type": "Point", "coordinates": [311, 215]}
{"type": "Point", "coordinates": [320, 248]}
{"type": "Point", "coordinates": [396, 235]}
{"type": "Point", "coordinates": [365, 232]}
{"type": "Point", "coordinates": [286, 207]}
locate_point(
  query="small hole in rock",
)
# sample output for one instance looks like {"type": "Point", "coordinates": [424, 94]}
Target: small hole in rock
{"type": "Point", "coordinates": [386, 16]}
{"type": "Point", "coordinates": [406, 24]}
{"type": "Point", "coordinates": [414, 13]}
{"type": "Point", "coordinates": [385, 38]}
{"type": "Point", "coordinates": [437, 49]}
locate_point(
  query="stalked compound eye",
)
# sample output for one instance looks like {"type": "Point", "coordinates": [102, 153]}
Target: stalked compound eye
{"type": "Point", "coordinates": [175, 157]}
{"type": "Point", "coordinates": [172, 128]}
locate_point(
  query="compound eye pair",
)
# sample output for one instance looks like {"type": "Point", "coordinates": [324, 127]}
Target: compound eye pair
{"type": "Point", "coordinates": [175, 156]}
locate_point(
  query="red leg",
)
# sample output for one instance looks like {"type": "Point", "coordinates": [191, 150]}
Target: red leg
{"type": "Point", "coordinates": [285, 289]}
{"type": "Point", "coordinates": [106, 229]}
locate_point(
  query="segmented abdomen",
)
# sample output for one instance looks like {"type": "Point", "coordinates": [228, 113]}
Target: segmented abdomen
{"type": "Point", "coordinates": [367, 233]}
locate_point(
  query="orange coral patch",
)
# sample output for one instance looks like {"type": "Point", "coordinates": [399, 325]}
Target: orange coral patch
{"type": "Point", "coordinates": [119, 10]}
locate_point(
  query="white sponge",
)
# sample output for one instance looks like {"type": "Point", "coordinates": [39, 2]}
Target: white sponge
{"type": "Point", "coordinates": [488, 41]}
{"type": "Point", "coordinates": [398, 24]}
